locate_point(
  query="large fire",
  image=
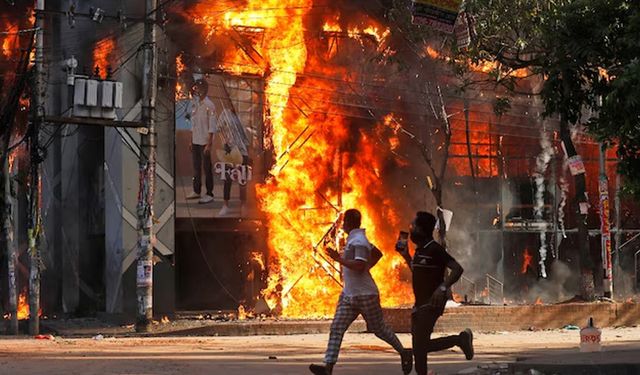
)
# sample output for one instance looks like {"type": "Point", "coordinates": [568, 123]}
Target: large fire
{"type": "Point", "coordinates": [103, 55]}
{"type": "Point", "coordinates": [304, 195]}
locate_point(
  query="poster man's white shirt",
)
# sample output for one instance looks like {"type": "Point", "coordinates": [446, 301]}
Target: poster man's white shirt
{"type": "Point", "coordinates": [203, 120]}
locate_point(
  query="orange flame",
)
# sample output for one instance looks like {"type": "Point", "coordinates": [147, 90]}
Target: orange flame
{"type": "Point", "coordinates": [242, 313]}
{"type": "Point", "coordinates": [483, 66]}
{"type": "Point", "coordinates": [103, 55]}
{"type": "Point", "coordinates": [11, 160]}
{"type": "Point", "coordinates": [181, 93]}
{"type": "Point", "coordinates": [377, 32]}
{"type": "Point", "coordinates": [10, 41]}
{"type": "Point", "coordinates": [458, 298]}
{"type": "Point", "coordinates": [301, 283]}
{"type": "Point", "coordinates": [23, 306]}
{"type": "Point", "coordinates": [526, 261]}
{"type": "Point", "coordinates": [539, 301]}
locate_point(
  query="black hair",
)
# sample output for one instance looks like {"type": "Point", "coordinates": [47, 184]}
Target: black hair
{"type": "Point", "coordinates": [426, 222]}
{"type": "Point", "coordinates": [353, 216]}
{"type": "Point", "coordinates": [202, 84]}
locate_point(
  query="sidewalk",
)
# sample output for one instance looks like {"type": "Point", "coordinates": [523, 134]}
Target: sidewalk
{"type": "Point", "coordinates": [278, 355]}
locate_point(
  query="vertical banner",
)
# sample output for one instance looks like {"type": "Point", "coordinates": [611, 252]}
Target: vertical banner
{"type": "Point", "coordinates": [463, 31]}
{"type": "Point", "coordinates": [606, 234]}
{"type": "Point", "coordinates": [441, 15]}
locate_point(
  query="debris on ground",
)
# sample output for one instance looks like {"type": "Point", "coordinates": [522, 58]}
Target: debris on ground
{"type": "Point", "coordinates": [571, 327]}
{"type": "Point", "coordinates": [487, 369]}
{"type": "Point", "coordinates": [44, 337]}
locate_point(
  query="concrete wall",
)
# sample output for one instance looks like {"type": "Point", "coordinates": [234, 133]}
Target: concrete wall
{"type": "Point", "coordinates": [516, 318]}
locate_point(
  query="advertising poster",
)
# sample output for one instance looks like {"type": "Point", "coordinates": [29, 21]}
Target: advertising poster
{"type": "Point", "coordinates": [219, 149]}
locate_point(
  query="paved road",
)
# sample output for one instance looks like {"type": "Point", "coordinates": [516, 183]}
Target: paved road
{"type": "Point", "coordinates": [362, 353]}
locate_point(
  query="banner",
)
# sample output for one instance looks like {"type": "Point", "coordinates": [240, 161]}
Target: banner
{"type": "Point", "coordinates": [576, 166]}
{"type": "Point", "coordinates": [606, 232]}
{"type": "Point", "coordinates": [438, 14]}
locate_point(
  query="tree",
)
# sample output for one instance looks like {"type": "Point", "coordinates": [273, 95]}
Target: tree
{"type": "Point", "coordinates": [587, 53]}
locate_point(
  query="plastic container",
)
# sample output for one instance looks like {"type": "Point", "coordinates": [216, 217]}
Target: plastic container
{"type": "Point", "coordinates": [590, 338]}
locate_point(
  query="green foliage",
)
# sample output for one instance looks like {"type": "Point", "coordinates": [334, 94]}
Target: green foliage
{"type": "Point", "coordinates": [588, 52]}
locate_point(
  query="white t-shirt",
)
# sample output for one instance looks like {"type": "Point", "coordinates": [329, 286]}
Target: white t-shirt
{"type": "Point", "coordinates": [203, 120]}
{"type": "Point", "coordinates": [358, 283]}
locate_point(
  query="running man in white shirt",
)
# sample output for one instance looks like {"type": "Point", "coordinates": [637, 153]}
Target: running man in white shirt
{"type": "Point", "coordinates": [203, 127]}
{"type": "Point", "coordinates": [359, 296]}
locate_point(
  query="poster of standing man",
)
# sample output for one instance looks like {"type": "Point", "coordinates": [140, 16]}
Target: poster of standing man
{"type": "Point", "coordinates": [224, 114]}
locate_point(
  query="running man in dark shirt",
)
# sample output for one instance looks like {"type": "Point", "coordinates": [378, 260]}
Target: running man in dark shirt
{"type": "Point", "coordinates": [431, 290]}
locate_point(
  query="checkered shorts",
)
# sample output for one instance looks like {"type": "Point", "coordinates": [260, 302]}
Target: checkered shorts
{"type": "Point", "coordinates": [347, 311]}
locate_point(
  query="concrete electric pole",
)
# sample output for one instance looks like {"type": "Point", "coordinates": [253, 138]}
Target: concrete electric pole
{"type": "Point", "coordinates": [147, 165]}
{"type": "Point", "coordinates": [11, 248]}
{"type": "Point", "coordinates": [34, 195]}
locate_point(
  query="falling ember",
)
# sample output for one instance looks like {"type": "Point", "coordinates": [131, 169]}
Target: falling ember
{"type": "Point", "coordinates": [526, 262]}
{"type": "Point", "coordinates": [103, 55]}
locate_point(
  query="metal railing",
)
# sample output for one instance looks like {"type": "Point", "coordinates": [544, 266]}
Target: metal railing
{"type": "Point", "coordinates": [466, 289]}
{"type": "Point", "coordinates": [631, 241]}
{"type": "Point", "coordinates": [494, 291]}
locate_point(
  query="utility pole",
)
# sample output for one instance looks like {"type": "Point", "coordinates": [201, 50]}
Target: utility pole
{"type": "Point", "coordinates": [605, 228]}
{"type": "Point", "coordinates": [11, 249]}
{"type": "Point", "coordinates": [34, 195]}
{"type": "Point", "coordinates": [147, 166]}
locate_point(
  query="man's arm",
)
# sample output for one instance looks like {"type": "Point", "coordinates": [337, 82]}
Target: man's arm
{"type": "Point", "coordinates": [403, 250]}
{"type": "Point", "coordinates": [439, 297]}
{"type": "Point", "coordinates": [358, 264]}
{"type": "Point", "coordinates": [407, 258]}
{"type": "Point", "coordinates": [207, 148]}
{"type": "Point", "coordinates": [454, 275]}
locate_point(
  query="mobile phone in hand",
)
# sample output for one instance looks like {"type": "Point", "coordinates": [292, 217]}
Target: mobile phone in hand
{"type": "Point", "coordinates": [403, 238]}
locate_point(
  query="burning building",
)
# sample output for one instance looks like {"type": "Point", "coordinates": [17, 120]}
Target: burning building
{"type": "Point", "coordinates": [340, 131]}
{"type": "Point", "coordinates": [317, 108]}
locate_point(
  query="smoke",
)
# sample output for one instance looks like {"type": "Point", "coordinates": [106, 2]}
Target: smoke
{"type": "Point", "coordinates": [555, 287]}
{"type": "Point", "coordinates": [542, 163]}
{"type": "Point", "coordinates": [564, 192]}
